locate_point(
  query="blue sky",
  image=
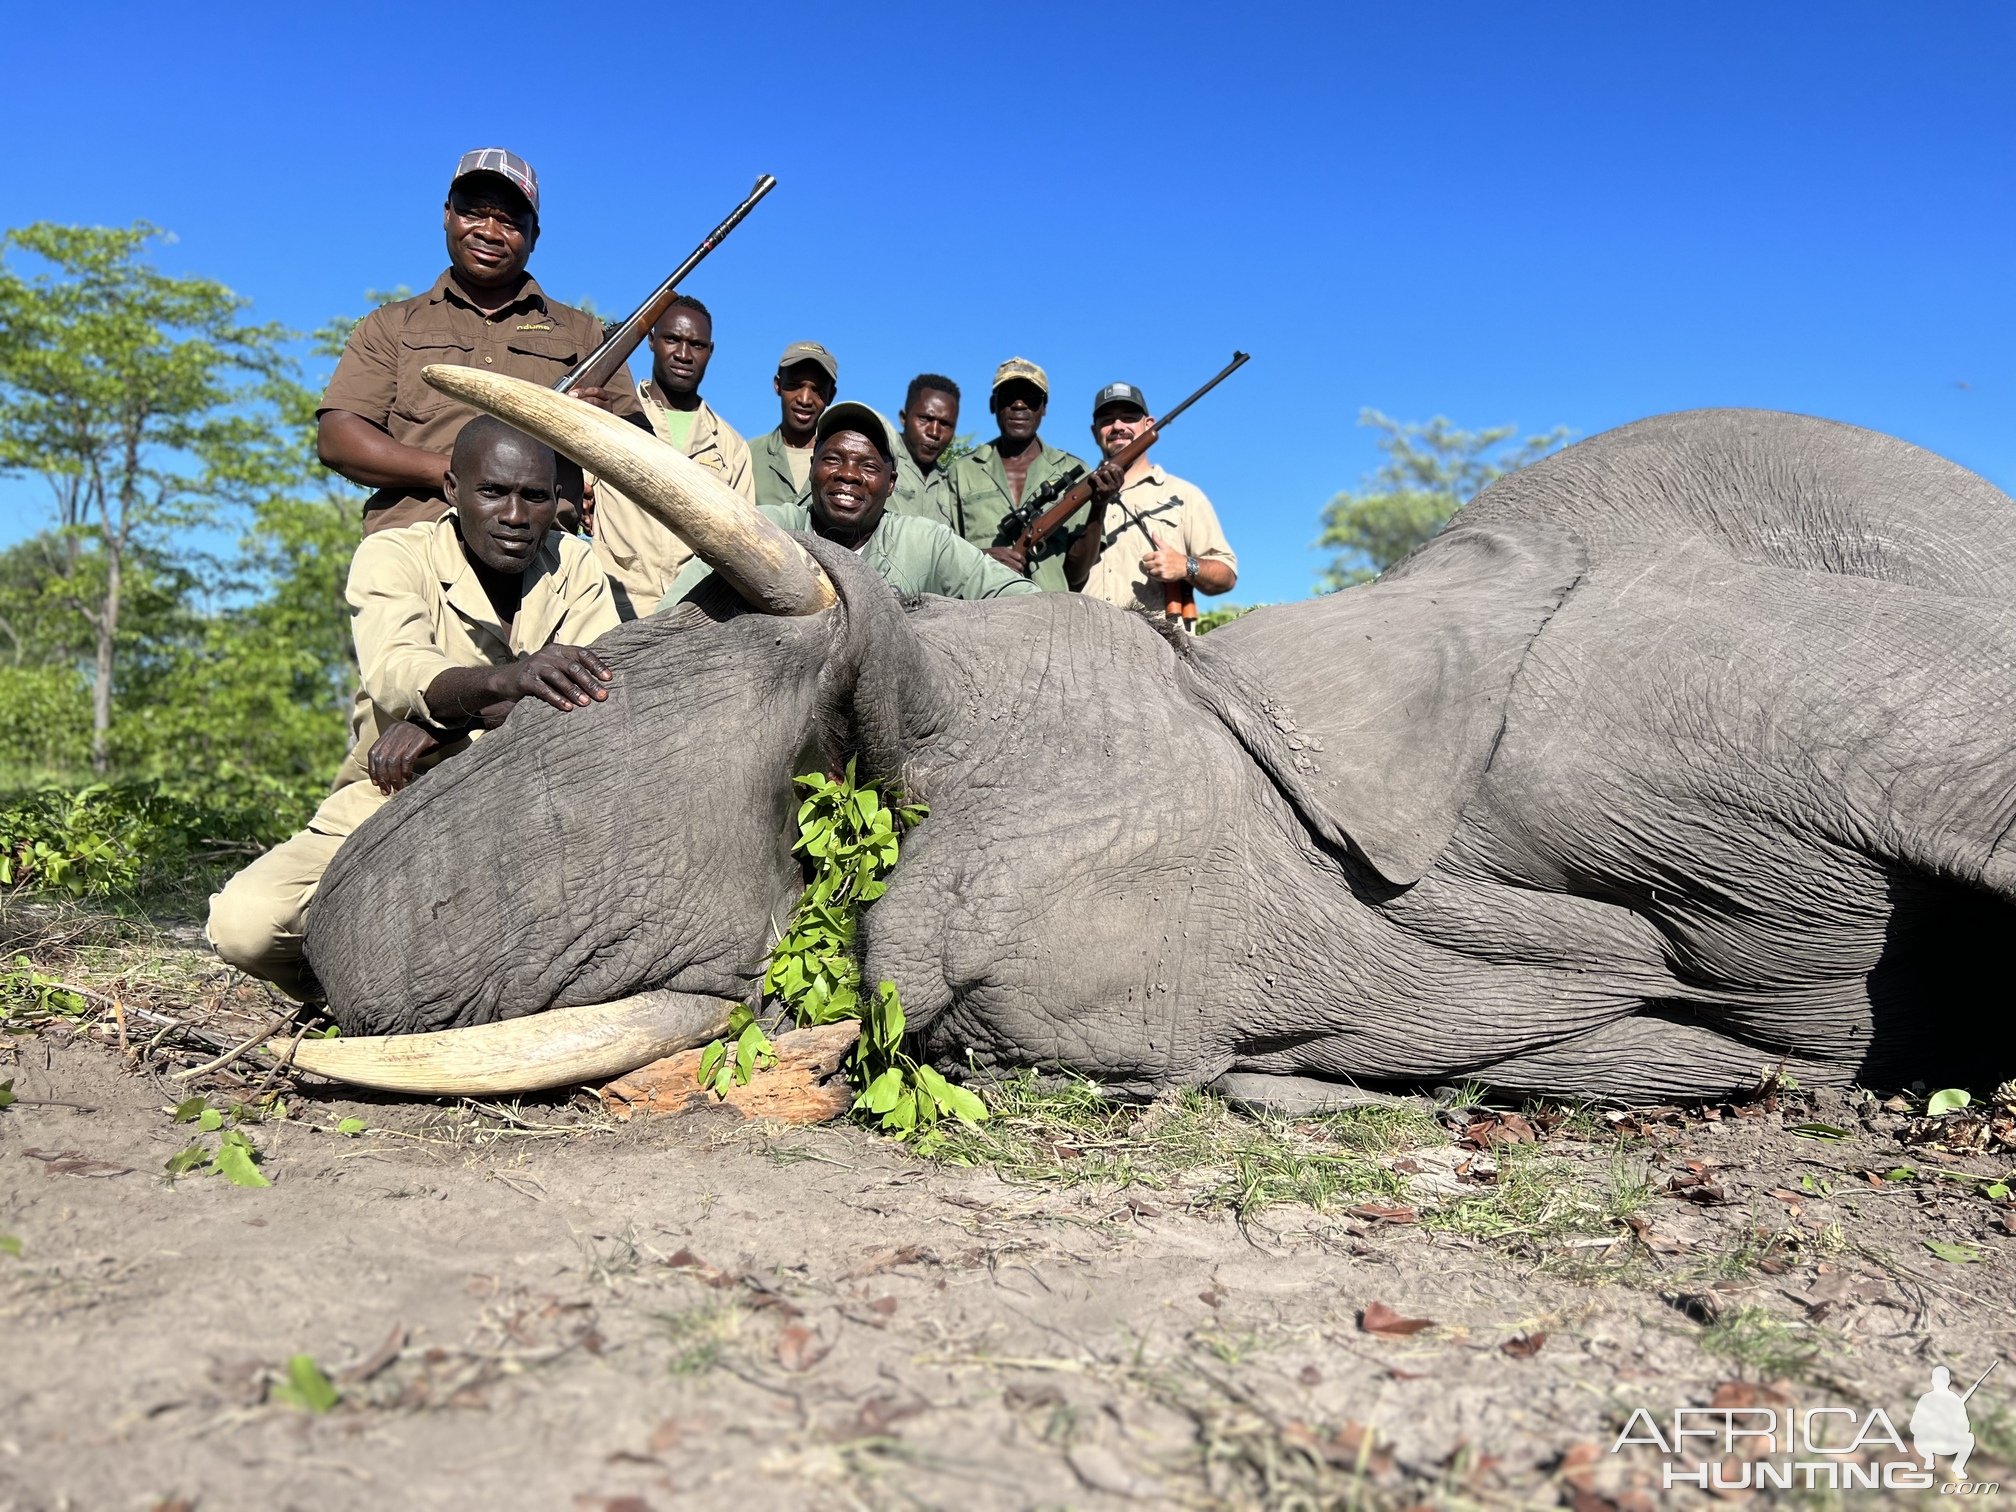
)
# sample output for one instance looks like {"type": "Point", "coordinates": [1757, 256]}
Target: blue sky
{"type": "Point", "coordinates": [1543, 214]}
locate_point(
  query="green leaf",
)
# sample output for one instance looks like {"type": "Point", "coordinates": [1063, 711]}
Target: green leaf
{"type": "Point", "coordinates": [190, 1109]}
{"type": "Point", "coordinates": [1900, 1173]}
{"type": "Point", "coordinates": [1953, 1254]}
{"type": "Point", "coordinates": [209, 1120]}
{"type": "Point", "coordinates": [184, 1159]}
{"type": "Point", "coordinates": [964, 1105]}
{"type": "Point", "coordinates": [710, 1061]}
{"type": "Point", "coordinates": [350, 1126]}
{"type": "Point", "coordinates": [9, 1245]}
{"type": "Point", "coordinates": [881, 1093]}
{"type": "Point", "coordinates": [904, 1115]}
{"type": "Point", "coordinates": [234, 1161]}
{"type": "Point", "coordinates": [1997, 1190]}
{"type": "Point", "coordinates": [306, 1386]}
{"type": "Point", "coordinates": [6, 1093]}
{"type": "Point", "coordinates": [1949, 1101]}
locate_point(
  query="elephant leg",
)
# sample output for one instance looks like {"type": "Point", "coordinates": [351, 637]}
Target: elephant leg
{"type": "Point", "coordinates": [1648, 1058]}
{"type": "Point", "coordinates": [1300, 1096]}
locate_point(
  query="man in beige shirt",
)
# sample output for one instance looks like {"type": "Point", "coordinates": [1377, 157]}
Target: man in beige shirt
{"type": "Point", "coordinates": [640, 552]}
{"type": "Point", "coordinates": [1161, 532]}
{"type": "Point", "coordinates": [379, 424]}
{"type": "Point", "coordinates": [454, 621]}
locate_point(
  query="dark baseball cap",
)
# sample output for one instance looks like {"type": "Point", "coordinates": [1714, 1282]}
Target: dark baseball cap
{"type": "Point", "coordinates": [1120, 393]}
{"type": "Point", "coordinates": [507, 165]}
{"type": "Point", "coordinates": [851, 415]}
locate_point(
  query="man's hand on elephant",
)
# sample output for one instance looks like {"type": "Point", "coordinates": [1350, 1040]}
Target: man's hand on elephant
{"type": "Point", "coordinates": [567, 677]}
{"type": "Point", "coordinates": [394, 753]}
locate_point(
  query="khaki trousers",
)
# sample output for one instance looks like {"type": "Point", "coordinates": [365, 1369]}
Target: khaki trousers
{"type": "Point", "coordinates": [257, 922]}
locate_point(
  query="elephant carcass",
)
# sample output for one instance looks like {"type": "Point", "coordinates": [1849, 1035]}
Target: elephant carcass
{"type": "Point", "coordinates": [1681, 755]}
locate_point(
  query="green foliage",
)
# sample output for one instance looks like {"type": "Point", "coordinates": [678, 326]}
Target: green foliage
{"type": "Point", "coordinates": [6, 1093]}
{"type": "Point", "coordinates": [853, 838]}
{"type": "Point", "coordinates": [9, 1245]}
{"type": "Point", "coordinates": [234, 1156]}
{"type": "Point", "coordinates": [1950, 1100]}
{"type": "Point", "coordinates": [1210, 619]}
{"type": "Point", "coordinates": [1430, 472]}
{"type": "Point", "coordinates": [306, 1386]}
{"type": "Point", "coordinates": [28, 995]}
{"type": "Point", "coordinates": [119, 840]}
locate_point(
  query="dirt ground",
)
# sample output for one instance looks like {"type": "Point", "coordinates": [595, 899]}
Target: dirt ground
{"type": "Point", "coordinates": [1078, 1305]}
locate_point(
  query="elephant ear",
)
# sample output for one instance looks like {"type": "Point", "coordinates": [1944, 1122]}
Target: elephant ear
{"type": "Point", "coordinates": [1376, 710]}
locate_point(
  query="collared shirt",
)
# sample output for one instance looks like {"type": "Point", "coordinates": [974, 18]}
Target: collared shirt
{"type": "Point", "coordinates": [378, 377]}
{"type": "Point", "coordinates": [926, 496]}
{"type": "Point", "coordinates": [1155, 509]}
{"type": "Point", "coordinates": [776, 471]}
{"type": "Point", "coordinates": [910, 555]}
{"type": "Point", "coordinates": [417, 609]}
{"type": "Point", "coordinates": [983, 506]}
{"type": "Point", "coordinates": [640, 552]}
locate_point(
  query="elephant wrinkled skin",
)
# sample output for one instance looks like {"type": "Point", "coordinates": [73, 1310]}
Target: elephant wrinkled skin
{"type": "Point", "coordinates": [1681, 754]}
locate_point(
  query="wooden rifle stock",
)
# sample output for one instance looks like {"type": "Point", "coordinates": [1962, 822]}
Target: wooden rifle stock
{"type": "Point", "coordinates": [600, 365]}
{"type": "Point", "coordinates": [1046, 524]}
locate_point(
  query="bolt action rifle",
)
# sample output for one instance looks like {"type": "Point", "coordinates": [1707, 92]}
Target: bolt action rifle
{"type": "Point", "coordinates": [1040, 517]}
{"type": "Point", "coordinates": [600, 365]}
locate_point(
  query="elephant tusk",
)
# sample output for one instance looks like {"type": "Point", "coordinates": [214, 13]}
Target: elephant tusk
{"type": "Point", "coordinates": [771, 571]}
{"type": "Point", "coordinates": [558, 1048]}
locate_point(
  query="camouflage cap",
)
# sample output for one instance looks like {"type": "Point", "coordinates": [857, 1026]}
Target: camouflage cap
{"type": "Point", "coordinates": [507, 165]}
{"type": "Point", "coordinates": [810, 351]}
{"type": "Point", "coordinates": [1023, 368]}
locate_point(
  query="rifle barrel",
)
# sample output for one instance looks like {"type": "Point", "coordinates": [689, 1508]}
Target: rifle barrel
{"type": "Point", "coordinates": [600, 365]}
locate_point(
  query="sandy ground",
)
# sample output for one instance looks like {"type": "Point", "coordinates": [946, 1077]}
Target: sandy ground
{"type": "Point", "coordinates": [534, 1307]}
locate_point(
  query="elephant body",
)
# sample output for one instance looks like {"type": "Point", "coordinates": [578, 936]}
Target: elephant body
{"type": "Point", "coordinates": [1680, 755]}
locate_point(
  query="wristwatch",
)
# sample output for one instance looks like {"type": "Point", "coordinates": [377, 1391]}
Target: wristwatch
{"type": "Point", "coordinates": [1189, 569]}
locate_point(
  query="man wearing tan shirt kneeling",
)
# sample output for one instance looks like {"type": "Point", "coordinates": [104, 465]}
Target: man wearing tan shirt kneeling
{"type": "Point", "coordinates": [454, 621]}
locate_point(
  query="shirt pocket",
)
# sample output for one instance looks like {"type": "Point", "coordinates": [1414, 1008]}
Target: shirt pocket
{"type": "Point", "coordinates": [416, 401]}
{"type": "Point", "coordinates": [533, 353]}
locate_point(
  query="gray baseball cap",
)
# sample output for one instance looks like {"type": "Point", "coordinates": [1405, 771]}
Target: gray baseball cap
{"type": "Point", "coordinates": [810, 351]}
{"type": "Point", "coordinates": [1120, 393]}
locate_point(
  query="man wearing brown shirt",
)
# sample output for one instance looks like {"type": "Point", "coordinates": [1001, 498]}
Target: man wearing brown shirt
{"type": "Point", "coordinates": [379, 424]}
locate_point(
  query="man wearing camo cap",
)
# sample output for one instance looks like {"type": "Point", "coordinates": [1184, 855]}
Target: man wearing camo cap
{"type": "Point", "coordinates": [379, 424]}
{"type": "Point", "coordinates": [985, 486]}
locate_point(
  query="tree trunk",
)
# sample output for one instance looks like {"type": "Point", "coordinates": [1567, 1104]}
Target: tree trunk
{"type": "Point", "coordinates": [101, 692]}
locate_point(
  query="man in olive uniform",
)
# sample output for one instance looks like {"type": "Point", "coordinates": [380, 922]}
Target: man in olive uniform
{"type": "Point", "coordinates": [642, 554]}
{"type": "Point", "coordinates": [454, 620]}
{"type": "Point", "coordinates": [379, 424]}
{"type": "Point", "coordinates": [986, 486]}
{"type": "Point", "coordinates": [807, 375]}
{"type": "Point", "coordinates": [853, 472]}
{"type": "Point", "coordinates": [928, 421]}
{"type": "Point", "coordinates": [1161, 530]}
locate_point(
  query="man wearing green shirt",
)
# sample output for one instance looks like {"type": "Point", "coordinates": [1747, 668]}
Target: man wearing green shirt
{"type": "Point", "coordinates": [987, 486]}
{"type": "Point", "coordinates": [782, 459]}
{"type": "Point", "coordinates": [852, 475]}
{"type": "Point", "coordinates": [927, 423]}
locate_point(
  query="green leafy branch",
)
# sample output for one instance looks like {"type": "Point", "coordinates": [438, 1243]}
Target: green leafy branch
{"type": "Point", "coordinates": [853, 837]}
{"type": "Point", "coordinates": [234, 1156]}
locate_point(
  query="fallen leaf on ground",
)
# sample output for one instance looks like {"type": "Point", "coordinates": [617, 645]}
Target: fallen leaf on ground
{"type": "Point", "coordinates": [1309, 1375]}
{"type": "Point", "coordinates": [1375, 1213]}
{"type": "Point", "coordinates": [1378, 1318]}
{"type": "Point", "coordinates": [799, 1348]}
{"type": "Point", "coordinates": [1524, 1346]}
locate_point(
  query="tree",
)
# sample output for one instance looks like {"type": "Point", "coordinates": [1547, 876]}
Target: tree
{"type": "Point", "coordinates": [1430, 472]}
{"type": "Point", "coordinates": [143, 400]}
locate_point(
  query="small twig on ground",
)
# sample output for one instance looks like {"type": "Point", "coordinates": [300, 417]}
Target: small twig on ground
{"type": "Point", "coordinates": [231, 1055]}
